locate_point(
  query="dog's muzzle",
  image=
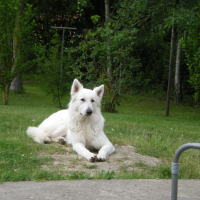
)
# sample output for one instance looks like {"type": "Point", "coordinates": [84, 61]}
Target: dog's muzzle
{"type": "Point", "coordinates": [88, 112]}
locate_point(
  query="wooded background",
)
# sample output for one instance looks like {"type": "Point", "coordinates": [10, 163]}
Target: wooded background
{"type": "Point", "coordinates": [129, 46]}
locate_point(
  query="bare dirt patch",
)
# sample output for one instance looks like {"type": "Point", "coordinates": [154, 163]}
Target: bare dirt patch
{"type": "Point", "coordinates": [124, 157]}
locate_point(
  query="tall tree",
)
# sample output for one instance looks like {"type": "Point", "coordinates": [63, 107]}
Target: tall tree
{"type": "Point", "coordinates": [170, 68]}
{"type": "Point", "coordinates": [7, 22]}
{"type": "Point", "coordinates": [177, 74]}
{"type": "Point", "coordinates": [109, 58]}
{"type": "Point", "coordinates": [9, 56]}
{"type": "Point", "coordinates": [16, 84]}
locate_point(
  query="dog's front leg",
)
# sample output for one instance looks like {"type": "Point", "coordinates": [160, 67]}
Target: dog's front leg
{"type": "Point", "coordinates": [105, 151]}
{"type": "Point", "coordinates": [82, 151]}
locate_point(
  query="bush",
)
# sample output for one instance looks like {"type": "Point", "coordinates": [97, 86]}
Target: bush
{"type": "Point", "coordinates": [53, 71]}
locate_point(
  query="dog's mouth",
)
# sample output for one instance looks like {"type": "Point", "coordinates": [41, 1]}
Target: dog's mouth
{"type": "Point", "coordinates": [88, 114]}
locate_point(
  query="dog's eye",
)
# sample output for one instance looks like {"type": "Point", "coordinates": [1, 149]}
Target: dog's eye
{"type": "Point", "coordinates": [92, 100]}
{"type": "Point", "coordinates": [82, 100]}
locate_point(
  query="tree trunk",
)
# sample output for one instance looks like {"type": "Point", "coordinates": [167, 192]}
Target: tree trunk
{"type": "Point", "coordinates": [5, 94]}
{"type": "Point", "coordinates": [170, 69]}
{"type": "Point", "coordinates": [16, 84]}
{"type": "Point", "coordinates": [109, 68]}
{"type": "Point", "coordinates": [177, 75]}
{"type": "Point", "coordinates": [107, 10]}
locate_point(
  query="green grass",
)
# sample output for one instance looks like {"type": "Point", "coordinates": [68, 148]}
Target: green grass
{"type": "Point", "coordinates": [138, 115]}
{"type": "Point", "coordinates": [19, 155]}
{"type": "Point", "coordinates": [21, 158]}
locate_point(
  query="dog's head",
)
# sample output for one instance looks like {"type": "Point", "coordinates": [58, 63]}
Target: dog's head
{"type": "Point", "coordinates": [85, 101]}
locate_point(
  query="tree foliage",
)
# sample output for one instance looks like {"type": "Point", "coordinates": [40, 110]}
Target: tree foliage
{"type": "Point", "coordinates": [9, 17]}
{"type": "Point", "coordinates": [92, 59]}
{"type": "Point", "coordinates": [134, 42]}
{"type": "Point", "coordinates": [116, 43]}
{"type": "Point", "coordinates": [191, 42]}
{"type": "Point", "coordinates": [8, 12]}
{"type": "Point", "coordinates": [53, 70]}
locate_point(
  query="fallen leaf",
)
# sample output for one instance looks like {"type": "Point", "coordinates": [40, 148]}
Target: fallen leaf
{"type": "Point", "coordinates": [71, 166]}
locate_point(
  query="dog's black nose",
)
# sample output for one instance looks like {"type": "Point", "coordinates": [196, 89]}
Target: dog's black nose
{"type": "Point", "coordinates": [88, 112]}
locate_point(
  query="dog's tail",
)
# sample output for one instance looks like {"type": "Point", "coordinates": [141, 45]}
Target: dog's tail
{"type": "Point", "coordinates": [36, 134]}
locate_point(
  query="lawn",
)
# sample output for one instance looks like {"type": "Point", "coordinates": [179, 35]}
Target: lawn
{"type": "Point", "coordinates": [137, 115]}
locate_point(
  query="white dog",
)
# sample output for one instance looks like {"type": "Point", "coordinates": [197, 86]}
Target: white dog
{"type": "Point", "coordinates": [82, 123]}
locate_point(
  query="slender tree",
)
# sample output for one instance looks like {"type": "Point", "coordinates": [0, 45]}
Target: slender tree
{"type": "Point", "coordinates": [177, 74]}
{"type": "Point", "coordinates": [11, 41]}
{"type": "Point", "coordinates": [109, 59]}
{"type": "Point", "coordinates": [173, 36]}
{"type": "Point", "coordinates": [16, 84]}
{"type": "Point", "coordinates": [7, 16]}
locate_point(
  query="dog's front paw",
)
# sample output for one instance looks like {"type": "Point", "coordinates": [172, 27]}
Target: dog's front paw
{"type": "Point", "coordinates": [62, 141]}
{"type": "Point", "coordinates": [93, 159]}
{"type": "Point", "coordinates": [47, 140]}
{"type": "Point", "coordinates": [101, 157]}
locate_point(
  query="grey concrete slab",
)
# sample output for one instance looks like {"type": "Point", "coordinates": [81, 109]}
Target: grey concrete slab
{"type": "Point", "coordinates": [99, 189]}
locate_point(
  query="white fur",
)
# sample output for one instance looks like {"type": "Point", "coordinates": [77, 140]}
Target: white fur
{"type": "Point", "coordinates": [82, 124]}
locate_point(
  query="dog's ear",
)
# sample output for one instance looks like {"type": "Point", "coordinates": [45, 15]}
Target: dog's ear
{"type": "Point", "coordinates": [76, 86]}
{"type": "Point", "coordinates": [99, 90]}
